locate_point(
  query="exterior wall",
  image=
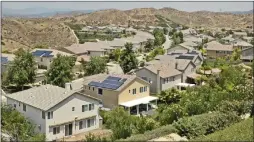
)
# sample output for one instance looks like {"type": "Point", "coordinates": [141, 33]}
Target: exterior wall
{"type": "Point", "coordinates": [96, 53]}
{"type": "Point", "coordinates": [241, 47]}
{"type": "Point", "coordinates": [45, 61]}
{"type": "Point", "coordinates": [247, 52]}
{"type": "Point", "coordinates": [150, 76]}
{"type": "Point", "coordinates": [109, 98]}
{"type": "Point", "coordinates": [171, 83]}
{"type": "Point", "coordinates": [213, 54]}
{"type": "Point", "coordinates": [198, 62]}
{"type": "Point", "coordinates": [3, 68]}
{"type": "Point", "coordinates": [34, 114]}
{"type": "Point", "coordinates": [127, 95]}
{"type": "Point", "coordinates": [63, 115]}
{"type": "Point", "coordinates": [189, 70]}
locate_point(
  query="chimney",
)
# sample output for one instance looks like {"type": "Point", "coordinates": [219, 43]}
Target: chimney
{"type": "Point", "coordinates": [68, 86]}
{"type": "Point", "coordinates": [158, 88]}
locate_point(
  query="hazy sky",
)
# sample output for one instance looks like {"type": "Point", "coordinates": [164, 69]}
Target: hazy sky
{"type": "Point", "coordinates": [186, 6]}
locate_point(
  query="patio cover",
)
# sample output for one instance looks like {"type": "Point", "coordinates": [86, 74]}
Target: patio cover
{"type": "Point", "coordinates": [144, 100]}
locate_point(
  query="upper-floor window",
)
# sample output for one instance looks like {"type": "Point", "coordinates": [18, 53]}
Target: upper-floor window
{"type": "Point", "coordinates": [134, 91]}
{"type": "Point", "coordinates": [91, 106]}
{"type": "Point", "coordinates": [84, 108]}
{"type": "Point", "coordinates": [100, 91]}
{"type": "Point", "coordinates": [43, 115]}
{"type": "Point", "coordinates": [50, 115]}
{"type": "Point", "coordinates": [14, 105]}
{"type": "Point", "coordinates": [141, 89]}
{"type": "Point", "coordinates": [93, 88]}
{"type": "Point", "coordinates": [24, 107]}
{"type": "Point", "coordinates": [89, 88]}
{"type": "Point", "coordinates": [145, 88]}
{"type": "Point", "coordinates": [73, 108]}
{"type": "Point", "coordinates": [41, 59]}
{"type": "Point", "coordinates": [56, 130]}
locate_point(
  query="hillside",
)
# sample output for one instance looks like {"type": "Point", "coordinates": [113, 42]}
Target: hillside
{"type": "Point", "coordinates": [53, 32]}
{"type": "Point", "coordinates": [30, 32]}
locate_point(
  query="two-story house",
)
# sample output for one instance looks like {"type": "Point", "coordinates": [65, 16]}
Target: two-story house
{"type": "Point", "coordinates": [57, 112]}
{"type": "Point", "coordinates": [114, 90]}
{"type": "Point", "coordinates": [216, 49]}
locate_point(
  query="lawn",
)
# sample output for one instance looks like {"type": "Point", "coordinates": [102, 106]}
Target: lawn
{"type": "Point", "coordinates": [242, 131]}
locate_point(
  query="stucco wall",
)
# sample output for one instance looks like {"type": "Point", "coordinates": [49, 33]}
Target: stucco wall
{"type": "Point", "coordinates": [63, 113]}
{"type": "Point", "coordinates": [32, 113]}
{"type": "Point", "coordinates": [46, 61]}
{"type": "Point", "coordinates": [171, 84]}
{"type": "Point", "coordinates": [149, 75]}
{"type": "Point", "coordinates": [127, 94]}
{"type": "Point", "coordinates": [189, 70]}
{"type": "Point", "coordinates": [96, 53]}
{"type": "Point", "coordinates": [213, 54]}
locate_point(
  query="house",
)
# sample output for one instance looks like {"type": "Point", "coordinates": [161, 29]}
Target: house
{"type": "Point", "coordinates": [173, 69]}
{"type": "Point", "coordinates": [247, 39]}
{"type": "Point", "coordinates": [239, 34]}
{"type": "Point", "coordinates": [44, 57]}
{"type": "Point", "coordinates": [241, 44]}
{"type": "Point", "coordinates": [114, 90]}
{"type": "Point", "coordinates": [247, 54]}
{"type": "Point", "coordinates": [228, 39]}
{"type": "Point", "coordinates": [5, 61]}
{"type": "Point", "coordinates": [183, 47]}
{"type": "Point", "coordinates": [202, 36]}
{"type": "Point", "coordinates": [89, 49]}
{"type": "Point", "coordinates": [216, 49]}
{"type": "Point", "coordinates": [57, 112]}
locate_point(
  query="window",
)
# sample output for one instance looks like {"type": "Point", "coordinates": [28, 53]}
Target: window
{"type": "Point", "coordinates": [56, 130]}
{"type": "Point", "coordinates": [141, 89]}
{"type": "Point", "coordinates": [91, 106]}
{"type": "Point", "coordinates": [14, 105]}
{"type": "Point", "coordinates": [43, 115]}
{"type": "Point", "coordinates": [92, 121]}
{"type": "Point", "coordinates": [88, 123]}
{"type": "Point", "coordinates": [19, 103]}
{"type": "Point", "coordinates": [50, 115]}
{"type": "Point", "coordinates": [73, 108]}
{"type": "Point", "coordinates": [24, 107]}
{"type": "Point", "coordinates": [145, 88]}
{"type": "Point", "coordinates": [89, 88]}
{"type": "Point", "coordinates": [84, 108]}
{"type": "Point", "coordinates": [41, 59]}
{"type": "Point", "coordinates": [100, 92]}
{"type": "Point", "coordinates": [134, 91]}
{"type": "Point", "coordinates": [93, 88]}
{"type": "Point", "coordinates": [173, 78]}
{"type": "Point", "coordinates": [150, 80]}
{"type": "Point", "coordinates": [80, 125]}
{"type": "Point", "coordinates": [129, 91]}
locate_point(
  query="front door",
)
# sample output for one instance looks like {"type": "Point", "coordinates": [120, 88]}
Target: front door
{"type": "Point", "coordinates": [68, 129]}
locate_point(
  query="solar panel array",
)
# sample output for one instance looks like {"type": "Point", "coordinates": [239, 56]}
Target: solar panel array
{"type": "Point", "coordinates": [4, 60]}
{"type": "Point", "coordinates": [42, 53]}
{"type": "Point", "coordinates": [185, 57]}
{"type": "Point", "coordinates": [110, 82]}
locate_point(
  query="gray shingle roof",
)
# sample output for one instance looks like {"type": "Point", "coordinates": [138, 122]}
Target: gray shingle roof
{"type": "Point", "coordinates": [166, 70]}
{"type": "Point", "coordinates": [43, 97]}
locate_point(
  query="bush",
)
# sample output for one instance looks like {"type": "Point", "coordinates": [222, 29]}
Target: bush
{"type": "Point", "coordinates": [242, 131]}
{"type": "Point", "coordinates": [159, 132]}
{"type": "Point", "coordinates": [240, 107]}
{"type": "Point", "coordinates": [204, 124]}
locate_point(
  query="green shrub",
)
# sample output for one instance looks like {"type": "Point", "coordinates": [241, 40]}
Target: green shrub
{"type": "Point", "coordinates": [242, 131]}
{"type": "Point", "coordinates": [148, 135]}
{"type": "Point", "coordinates": [204, 124]}
{"type": "Point", "coordinates": [240, 107]}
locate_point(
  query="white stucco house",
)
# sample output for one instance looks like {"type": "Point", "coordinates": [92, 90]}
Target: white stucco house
{"type": "Point", "coordinates": [57, 112]}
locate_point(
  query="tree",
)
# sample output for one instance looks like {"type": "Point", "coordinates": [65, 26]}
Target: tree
{"type": "Point", "coordinates": [159, 37]}
{"type": "Point", "coordinates": [120, 122]}
{"type": "Point", "coordinates": [96, 65]}
{"type": "Point", "coordinates": [143, 124]}
{"type": "Point", "coordinates": [170, 96]}
{"type": "Point", "coordinates": [22, 70]}
{"type": "Point", "coordinates": [60, 71]}
{"type": "Point", "coordinates": [17, 126]}
{"type": "Point", "coordinates": [180, 35]}
{"type": "Point", "coordinates": [149, 45]}
{"type": "Point", "coordinates": [115, 55]}
{"type": "Point", "coordinates": [236, 55]}
{"type": "Point", "coordinates": [165, 30]}
{"type": "Point", "coordinates": [128, 60]}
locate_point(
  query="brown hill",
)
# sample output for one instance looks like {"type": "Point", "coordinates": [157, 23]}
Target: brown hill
{"type": "Point", "coordinates": [53, 32]}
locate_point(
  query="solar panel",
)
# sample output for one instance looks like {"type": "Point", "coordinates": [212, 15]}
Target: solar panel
{"type": "Point", "coordinates": [185, 57]}
{"type": "Point", "coordinates": [110, 81]}
{"type": "Point", "coordinates": [4, 60]}
{"type": "Point", "coordinates": [38, 53]}
{"type": "Point", "coordinates": [47, 54]}
{"type": "Point", "coordinates": [113, 78]}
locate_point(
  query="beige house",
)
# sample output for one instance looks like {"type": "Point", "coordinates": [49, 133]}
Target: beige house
{"type": "Point", "coordinates": [57, 112]}
{"type": "Point", "coordinates": [248, 39]}
{"type": "Point", "coordinates": [241, 44]}
{"type": "Point", "coordinates": [239, 34]}
{"type": "Point", "coordinates": [247, 54]}
{"type": "Point", "coordinates": [216, 49]}
{"type": "Point", "coordinates": [129, 91]}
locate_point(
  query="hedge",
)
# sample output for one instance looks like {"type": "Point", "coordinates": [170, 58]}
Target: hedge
{"type": "Point", "coordinates": [159, 132]}
{"type": "Point", "coordinates": [204, 124]}
{"type": "Point", "coordinates": [242, 131]}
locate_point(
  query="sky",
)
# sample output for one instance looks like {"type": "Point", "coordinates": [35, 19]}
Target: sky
{"type": "Point", "coordinates": [185, 6]}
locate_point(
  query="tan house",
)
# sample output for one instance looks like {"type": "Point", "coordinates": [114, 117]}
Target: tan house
{"type": "Point", "coordinates": [247, 55]}
{"type": "Point", "coordinates": [216, 49]}
{"type": "Point", "coordinates": [239, 34]}
{"type": "Point", "coordinates": [128, 91]}
{"type": "Point", "coordinates": [241, 44]}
